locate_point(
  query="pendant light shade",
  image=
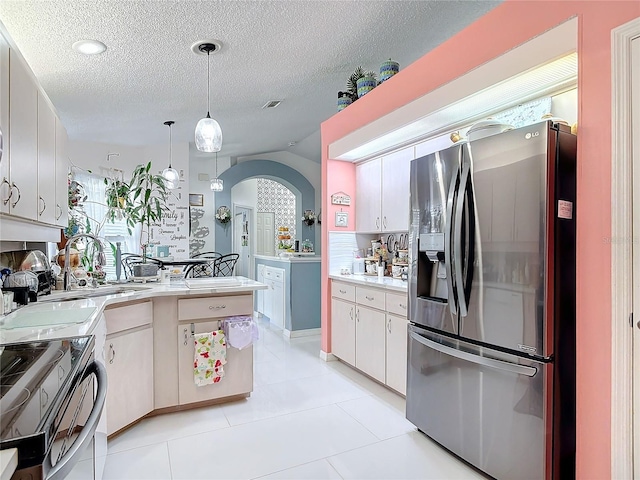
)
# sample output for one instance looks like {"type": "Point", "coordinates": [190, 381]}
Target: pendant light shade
{"type": "Point", "coordinates": [208, 135]}
{"type": "Point", "coordinates": [216, 183]}
{"type": "Point", "coordinates": [170, 174]}
{"type": "Point", "coordinates": [208, 131]}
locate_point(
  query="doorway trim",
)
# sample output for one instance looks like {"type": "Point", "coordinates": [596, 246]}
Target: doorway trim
{"type": "Point", "coordinates": [621, 242]}
{"type": "Point", "coordinates": [250, 267]}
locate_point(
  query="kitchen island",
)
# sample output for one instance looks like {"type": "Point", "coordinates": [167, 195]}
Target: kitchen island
{"type": "Point", "coordinates": [144, 337]}
{"type": "Point", "coordinates": [292, 301]}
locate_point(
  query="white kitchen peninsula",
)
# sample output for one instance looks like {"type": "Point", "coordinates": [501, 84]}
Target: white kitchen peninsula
{"type": "Point", "coordinates": [148, 349]}
{"type": "Point", "coordinates": [292, 300]}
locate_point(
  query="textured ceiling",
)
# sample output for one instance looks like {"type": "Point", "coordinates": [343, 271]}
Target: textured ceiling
{"type": "Point", "coordinates": [300, 52]}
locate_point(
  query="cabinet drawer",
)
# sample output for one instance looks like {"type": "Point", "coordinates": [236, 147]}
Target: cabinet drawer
{"type": "Point", "coordinates": [370, 297]}
{"type": "Point", "coordinates": [343, 291]}
{"type": "Point", "coordinates": [212, 307]}
{"type": "Point", "coordinates": [397, 304]}
{"type": "Point", "coordinates": [275, 274]}
{"type": "Point", "coordinates": [128, 316]}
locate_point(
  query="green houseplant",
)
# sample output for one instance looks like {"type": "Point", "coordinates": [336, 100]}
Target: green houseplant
{"type": "Point", "coordinates": [146, 202]}
{"type": "Point", "coordinates": [117, 192]}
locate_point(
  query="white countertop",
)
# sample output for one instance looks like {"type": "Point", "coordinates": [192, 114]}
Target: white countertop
{"type": "Point", "coordinates": [8, 463]}
{"type": "Point", "coordinates": [388, 283]}
{"type": "Point", "coordinates": [291, 258]}
{"type": "Point", "coordinates": [44, 316]}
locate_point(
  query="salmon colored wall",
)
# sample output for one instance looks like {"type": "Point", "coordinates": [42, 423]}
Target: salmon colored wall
{"type": "Point", "coordinates": [507, 26]}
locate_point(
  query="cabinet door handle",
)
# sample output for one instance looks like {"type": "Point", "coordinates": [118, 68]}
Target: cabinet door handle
{"type": "Point", "coordinates": [18, 199]}
{"type": "Point", "coordinates": [113, 353]}
{"type": "Point", "coordinates": [217, 307]}
{"type": "Point", "coordinates": [358, 315]}
{"type": "Point", "coordinates": [44, 206]}
{"type": "Point", "coordinates": [59, 208]}
{"type": "Point", "coordinates": [343, 291]}
{"type": "Point", "coordinates": [185, 337]}
{"type": "Point", "coordinates": [384, 222]}
{"type": "Point", "coordinates": [389, 325]}
{"type": "Point", "coordinates": [61, 373]}
{"type": "Point", "coordinates": [351, 313]}
{"type": "Point", "coordinates": [369, 298]}
{"type": "Point", "coordinates": [6, 200]}
{"type": "Point", "coordinates": [377, 222]}
{"type": "Point", "coordinates": [45, 400]}
{"type": "Point", "coordinates": [402, 306]}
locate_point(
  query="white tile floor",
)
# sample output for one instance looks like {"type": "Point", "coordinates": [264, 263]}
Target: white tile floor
{"type": "Point", "coordinates": [306, 419]}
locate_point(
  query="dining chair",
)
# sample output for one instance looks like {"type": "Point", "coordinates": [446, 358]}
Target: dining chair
{"type": "Point", "coordinates": [223, 266]}
{"type": "Point", "coordinates": [202, 270]}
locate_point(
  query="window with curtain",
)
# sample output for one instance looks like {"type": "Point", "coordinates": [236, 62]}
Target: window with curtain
{"type": "Point", "coordinates": [95, 209]}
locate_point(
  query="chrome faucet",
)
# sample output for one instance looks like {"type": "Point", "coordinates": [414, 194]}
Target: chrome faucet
{"type": "Point", "coordinates": [66, 272]}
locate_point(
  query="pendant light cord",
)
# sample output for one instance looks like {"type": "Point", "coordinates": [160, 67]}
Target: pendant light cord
{"type": "Point", "coordinates": [169, 146]}
{"type": "Point", "coordinates": [208, 86]}
{"type": "Point", "coordinates": [216, 165]}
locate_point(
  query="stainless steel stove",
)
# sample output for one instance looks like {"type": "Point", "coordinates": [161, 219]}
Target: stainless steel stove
{"type": "Point", "coordinates": [51, 397]}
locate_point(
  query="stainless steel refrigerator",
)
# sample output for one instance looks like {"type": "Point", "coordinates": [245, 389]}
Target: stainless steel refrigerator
{"type": "Point", "coordinates": [491, 362]}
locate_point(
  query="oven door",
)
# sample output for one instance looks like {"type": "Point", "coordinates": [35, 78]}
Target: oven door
{"type": "Point", "coordinates": [75, 426]}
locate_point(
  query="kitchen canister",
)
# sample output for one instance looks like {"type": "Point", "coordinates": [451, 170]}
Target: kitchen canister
{"type": "Point", "coordinates": [366, 84]}
{"type": "Point", "coordinates": [344, 101]}
{"type": "Point", "coordinates": [388, 69]}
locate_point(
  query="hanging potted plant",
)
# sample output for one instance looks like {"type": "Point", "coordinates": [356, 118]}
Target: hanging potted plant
{"type": "Point", "coordinates": [145, 204]}
{"type": "Point", "coordinates": [117, 193]}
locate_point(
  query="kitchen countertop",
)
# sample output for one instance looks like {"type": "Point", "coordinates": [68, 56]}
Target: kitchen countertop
{"type": "Point", "coordinates": [84, 312]}
{"type": "Point", "coordinates": [388, 283]}
{"type": "Point", "coordinates": [8, 463]}
{"type": "Point", "coordinates": [290, 258]}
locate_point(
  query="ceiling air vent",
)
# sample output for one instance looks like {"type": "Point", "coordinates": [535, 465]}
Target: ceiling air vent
{"type": "Point", "coordinates": [272, 104]}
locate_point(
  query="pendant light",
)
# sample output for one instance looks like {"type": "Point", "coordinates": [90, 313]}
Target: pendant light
{"type": "Point", "coordinates": [208, 131]}
{"type": "Point", "coordinates": [170, 174]}
{"type": "Point", "coordinates": [216, 183]}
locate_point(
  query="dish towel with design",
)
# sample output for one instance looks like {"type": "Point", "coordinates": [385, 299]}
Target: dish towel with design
{"type": "Point", "coordinates": [209, 356]}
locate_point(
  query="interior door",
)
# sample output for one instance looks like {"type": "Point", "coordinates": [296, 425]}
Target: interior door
{"type": "Point", "coordinates": [265, 233]}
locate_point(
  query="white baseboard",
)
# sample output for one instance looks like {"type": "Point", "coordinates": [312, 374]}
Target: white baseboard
{"type": "Point", "coordinates": [328, 357]}
{"type": "Point", "coordinates": [301, 333]}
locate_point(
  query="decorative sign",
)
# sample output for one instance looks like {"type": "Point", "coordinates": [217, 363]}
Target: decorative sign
{"type": "Point", "coordinates": [565, 209]}
{"type": "Point", "coordinates": [340, 198]}
{"type": "Point", "coordinates": [342, 219]}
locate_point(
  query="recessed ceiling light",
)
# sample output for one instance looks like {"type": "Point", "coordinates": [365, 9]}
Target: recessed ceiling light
{"type": "Point", "coordinates": [89, 47]}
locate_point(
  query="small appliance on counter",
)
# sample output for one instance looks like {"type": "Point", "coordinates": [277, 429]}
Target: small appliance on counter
{"type": "Point", "coordinates": [30, 261]}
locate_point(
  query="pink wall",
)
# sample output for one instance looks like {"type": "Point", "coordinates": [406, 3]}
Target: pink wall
{"type": "Point", "coordinates": [502, 29]}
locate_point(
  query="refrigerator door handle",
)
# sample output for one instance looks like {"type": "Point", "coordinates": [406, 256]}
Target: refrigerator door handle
{"type": "Point", "coordinates": [447, 246]}
{"type": "Point", "coordinates": [470, 357]}
{"type": "Point", "coordinates": [457, 240]}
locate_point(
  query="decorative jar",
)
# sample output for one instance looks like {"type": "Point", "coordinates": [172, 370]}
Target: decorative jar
{"type": "Point", "coordinates": [388, 69]}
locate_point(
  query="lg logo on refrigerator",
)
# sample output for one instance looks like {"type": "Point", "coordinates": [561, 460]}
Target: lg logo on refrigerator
{"type": "Point", "coordinates": [530, 135]}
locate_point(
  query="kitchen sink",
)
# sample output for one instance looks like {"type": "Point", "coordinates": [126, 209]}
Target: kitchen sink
{"type": "Point", "coordinates": [89, 292]}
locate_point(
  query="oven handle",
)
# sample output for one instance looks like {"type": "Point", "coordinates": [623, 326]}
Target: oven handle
{"type": "Point", "coordinates": [68, 461]}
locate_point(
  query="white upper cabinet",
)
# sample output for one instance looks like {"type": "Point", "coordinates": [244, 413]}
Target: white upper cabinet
{"type": "Point", "coordinates": [395, 190]}
{"type": "Point", "coordinates": [46, 162]}
{"type": "Point", "coordinates": [382, 193]}
{"type": "Point", "coordinates": [62, 169]}
{"type": "Point", "coordinates": [368, 196]}
{"type": "Point", "coordinates": [5, 186]}
{"type": "Point", "coordinates": [23, 139]}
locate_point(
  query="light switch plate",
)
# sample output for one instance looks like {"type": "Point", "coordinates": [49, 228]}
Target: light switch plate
{"type": "Point", "coordinates": [342, 219]}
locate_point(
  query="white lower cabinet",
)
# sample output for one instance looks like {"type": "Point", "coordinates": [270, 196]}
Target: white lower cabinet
{"type": "Point", "coordinates": [343, 330]}
{"type": "Point", "coordinates": [396, 353]}
{"type": "Point", "coordinates": [370, 342]}
{"type": "Point", "coordinates": [237, 379]}
{"type": "Point", "coordinates": [128, 354]}
{"type": "Point", "coordinates": [274, 296]}
{"type": "Point", "coordinates": [369, 332]}
{"type": "Point", "coordinates": [129, 362]}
